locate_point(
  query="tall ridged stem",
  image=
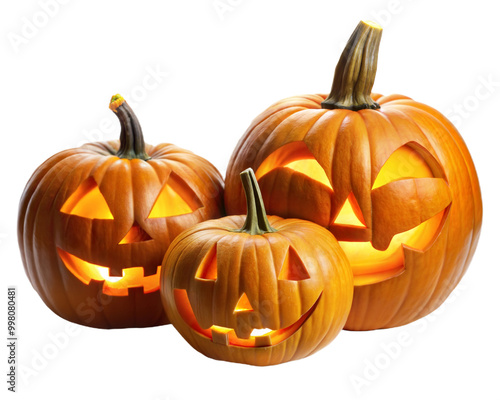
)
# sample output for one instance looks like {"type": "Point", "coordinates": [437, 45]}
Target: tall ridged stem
{"type": "Point", "coordinates": [356, 69]}
{"type": "Point", "coordinates": [256, 222]}
{"type": "Point", "coordinates": [131, 139]}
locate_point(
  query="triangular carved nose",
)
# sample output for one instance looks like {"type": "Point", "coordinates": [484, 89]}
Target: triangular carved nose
{"type": "Point", "coordinates": [350, 213]}
{"type": "Point", "coordinates": [243, 304]}
{"type": "Point", "coordinates": [135, 234]}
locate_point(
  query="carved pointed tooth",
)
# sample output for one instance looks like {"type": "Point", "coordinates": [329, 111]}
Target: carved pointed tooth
{"type": "Point", "coordinates": [243, 330]}
{"type": "Point", "coordinates": [220, 337]}
{"type": "Point", "coordinates": [262, 341]}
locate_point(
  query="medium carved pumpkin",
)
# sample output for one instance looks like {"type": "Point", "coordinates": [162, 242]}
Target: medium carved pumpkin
{"type": "Point", "coordinates": [256, 291]}
{"type": "Point", "coordinates": [95, 222]}
{"type": "Point", "coordinates": [391, 178]}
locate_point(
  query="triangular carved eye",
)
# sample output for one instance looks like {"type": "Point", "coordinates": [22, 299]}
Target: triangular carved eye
{"type": "Point", "coordinates": [404, 163]}
{"type": "Point", "coordinates": [207, 271]}
{"type": "Point", "coordinates": [175, 198]}
{"type": "Point", "coordinates": [350, 213]}
{"type": "Point", "coordinates": [243, 304]}
{"type": "Point", "coordinates": [297, 157]}
{"type": "Point", "coordinates": [293, 268]}
{"type": "Point", "coordinates": [87, 201]}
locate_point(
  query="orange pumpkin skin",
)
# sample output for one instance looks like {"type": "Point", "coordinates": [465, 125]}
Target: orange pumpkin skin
{"type": "Point", "coordinates": [209, 269]}
{"type": "Point", "coordinates": [52, 237]}
{"type": "Point", "coordinates": [351, 148]}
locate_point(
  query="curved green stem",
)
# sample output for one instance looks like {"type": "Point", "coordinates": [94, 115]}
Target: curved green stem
{"type": "Point", "coordinates": [256, 222]}
{"type": "Point", "coordinates": [356, 69]}
{"type": "Point", "coordinates": [131, 139]}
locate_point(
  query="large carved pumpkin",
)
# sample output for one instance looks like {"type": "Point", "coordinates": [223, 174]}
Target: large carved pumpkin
{"type": "Point", "coordinates": [391, 178]}
{"type": "Point", "coordinates": [95, 222]}
{"type": "Point", "coordinates": [254, 290]}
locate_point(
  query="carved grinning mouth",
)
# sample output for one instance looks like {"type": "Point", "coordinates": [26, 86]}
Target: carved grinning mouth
{"type": "Point", "coordinates": [113, 285]}
{"type": "Point", "coordinates": [227, 336]}
{"type": "Point", "coordinates": [370, 265]}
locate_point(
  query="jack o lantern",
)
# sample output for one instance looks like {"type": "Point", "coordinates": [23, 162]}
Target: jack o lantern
{"type": "Point", "coordinates": [95, 222]}
{"type": "Point", "coordinates": [272, 291]}
{"type": "Point", "coordinates": [391, 178]}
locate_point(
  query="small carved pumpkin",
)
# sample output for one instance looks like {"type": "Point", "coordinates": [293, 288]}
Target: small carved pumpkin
{"type": "Point", "coordinates": [272, 291]}
{"type": "Point", "coordinates": [393, 181]}
{"type": "Point", "coordinates": [96, 221]}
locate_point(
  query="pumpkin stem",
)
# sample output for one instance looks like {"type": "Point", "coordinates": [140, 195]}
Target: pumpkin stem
{"type": "Point", "coordinates": [131, 139]}
{"type": "Point", "coordinates": [256, 222]}
{"type": "Point", "coordinates": [356, 69]}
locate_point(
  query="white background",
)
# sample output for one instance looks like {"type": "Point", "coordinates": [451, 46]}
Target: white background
{"type": "Point", "coordinates": [223, 69]}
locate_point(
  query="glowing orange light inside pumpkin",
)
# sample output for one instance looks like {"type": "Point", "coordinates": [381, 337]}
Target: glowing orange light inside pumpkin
{"type": "Point", "coordinates": [350, 214]}
{"type": "Point", "coordinates": [404, 163]}
{"type": "Point", "coordinates": [104, 272]}
{"type": "Point", "coordinates": [113, 285]}
{"type": "Point", "coordinates": [134, 235]}
{"type": "Point", "coordinates": [293, 269]}
{"type": "Point", "coordinates": [207, 271]}
{"type": "Point", "coordinates": [311, 168]}
{"type": "Point", "coordinates": [370, 265]}
{"type": "Point", "coordinates": [87, 201]}
{"type": "Point", "coordinates": [243, 304]}
{"type": "Point", "coordinates": [175, 198]}
{"type": "Point", "coordinates": [169, 203]}
{"type": "Point", "coordinates": [295, 156]}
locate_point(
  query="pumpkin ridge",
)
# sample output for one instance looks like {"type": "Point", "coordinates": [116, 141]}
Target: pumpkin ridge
{"type": "Point", "coordinates": [401, 301]}
{"type": "Point", "coordinates": [389, 99]}
{"type": "Point", "coordinates": [324, 337]}
{"type": "Point", "coordinates": [275, 262]}
{"type": "Point", "coordinates": [413, 316]}
{"type": "Point", "coordinates": [27, 239]}
{"type": "Point", "coordinates": [333, 132]}
{"type": "Point", "coordinates": [202, 172]}
{"type": "Point", "coordinates": [104, 148]}
{"type": "Point", "coordinates": [416, 128]}
{"type": "Point", "coordinates": [198, 235]}
{"type": "Point", "coordinates": [28, 192]}
{"type": "Point", "coordinates": [326, 333]}
{"type": "Point", "coordinates": [288, 234]}
{"type": "Point", "coordinates": [248, 135]}
{"type": "Point", "coordinates": [424, 144]}
{"type": "Point", "coordinates": [242, 244]}
{"type": "Point", "coordinates": [360, 302]}
{"type": "Point", "coordinates": [364, 139]}
{"type": "Point", "coordinates": [418, 311]}
{"type": "Point", "coordinates": [364, 115]}
{"type": "Point", "coordinates": [271, 136]}
{"type": "Point", "coordinates": [438, 280]}
{"type": "Point", "coordinates": [457, 138]}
